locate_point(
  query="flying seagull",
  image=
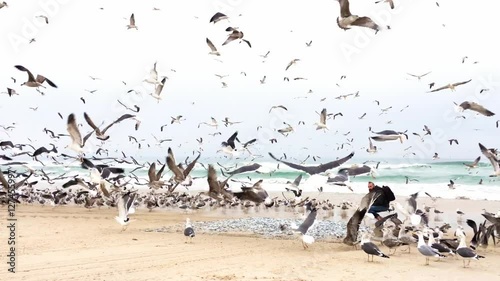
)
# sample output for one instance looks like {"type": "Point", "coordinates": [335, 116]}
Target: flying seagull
{"type": "Point", "coordinates": [235, 34]}
{"type": "Point", "coordinates": [153, 76]}
{"type": "Point", "coordinates": [229, 146]}
{"type": "Point", "coordinates": [495, 162]}
{"type": "Point", "coordinates": [32, 82]}
{"type": "Point", "coordinates": [278, 106]}
{"type": "Point", "coordinates": [391, 3]}
{"type": "Point", "coordinates": [217, 189]}
{"type": "Point", "coordinates": [125, 207]}
{"type": "Point", "coordinates": [158, 89]}
{"type": "Point", "coordinates": [213, 50]}
{"type": "Point", "coordinates": [388, 135]}
{"type": "Point", "coordinates": [132, 22]}
{"type": "Point", "coordinates": [101, 134]}
{"type": "Point", "coordinates": [322, 121]}
{"type": "Point", "coordinates": [475, 107]}
{"type": "Point", "coordinates": [188, 230]}
{"type": "Point", "coordinates": [292, 62]}
{"type": "Point", "coordinates": [451, 141]}
{"type": "Point", "coordinates": [340, 179]}
{"type": "Point", "coordinates": [451, 185]}
{"type": "Point", "coordinates": [351, 238]}
{"type": "Point", "coordinates": [218, 17]}
{"type": "Point", "coordinates": [180, 174]}
{"type": "Point", "coordinates": [12, 92]}
{"type": "Point", "coordinates": [419, 76]}
{"type": "Point", "coordinates": [372, 148]}
{"type": "Point", "coordinates": [244, 169]}
{"type": "Point", "coordinates": [3, 4]}
{"type": "Point", "coordinates": [305, 226]}
{"type": "Point", "coordinates": [450, 86]}
{"type": "Point", "coordinates": [76, 138]}
{"type": "Point", "coordinates": [312, 170]}
{"type": "Point", "coordinates": [45, 18]}
{"type": "Point", "coordinates": [155, 177]}
{"type": "Point", "coordinates": [347, 20]}
{"type": "Point", "coordinates": [255, 193]}
{"type": "Point", "coordinates": [473, 164]}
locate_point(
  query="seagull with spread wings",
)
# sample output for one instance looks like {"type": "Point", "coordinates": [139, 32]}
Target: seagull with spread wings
{"type": "Point", "coordinates": [158, 89]}
{"type": "Point", "coordinates": [450, 86]}
{"type": "Point", "coordinates": [181, 175]}
{"type": "Point", "coordinates": [305, 226]}
{"type": "Point", "coordinates": [473, 164]}
{"type": "Point", "coordinates": [418, 76]}
{"type": "Point", "coordinates": [347, 20]}
{"type": "Point", "coordinates": [125, 207]}
{"type": "Point", "coordinates": [155, 177]}
{"type": "Point", "coordinates": [255, 193]}
{"type": "Point", "coordinates": [312, 170]}
{"type": "Point", "coordinates": [76, 138]}
{"type": "Point", "coordinates": [234, 35]}
{"type": "Point", "coordinates": [322, 121]}
{"type": "Point", "coordinates": [101, 134]}
{"type": "Point", "coordinates": [216, 189]}
{"type": "Point", "coordinates": [213, 50]}
{"type": "Point", "coordinates": [278, 106]}
{"type": "Point", "coordinates": [470, 105]}
{"type": "Point", "coordinates": [132, 22]}
{"type": "Point", "coordinates": [495, 162]}
{"type": "Point", "coordinates": [32, 82]}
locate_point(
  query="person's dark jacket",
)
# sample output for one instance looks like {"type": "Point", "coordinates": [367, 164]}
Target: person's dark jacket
{"type": "Point", "coordinates": [382, 199]}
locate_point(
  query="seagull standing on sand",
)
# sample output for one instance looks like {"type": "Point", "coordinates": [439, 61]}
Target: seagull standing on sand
{"type": "Point", "coordinates": [427, 250]}
{"type": "Point", "coordinates": [464, 251]}
{"type": "Point", "coordinates": [370, 248]}
{"type": "Point", "coordinates": [188, 231]}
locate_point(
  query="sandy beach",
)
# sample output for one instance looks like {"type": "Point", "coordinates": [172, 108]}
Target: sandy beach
{"type": "Point", "coordinates": [74, 243]}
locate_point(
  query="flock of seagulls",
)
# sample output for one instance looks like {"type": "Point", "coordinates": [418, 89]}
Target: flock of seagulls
{"type": "Point", "coordinates": [110, 186]}
{"type": "Point", "coordinates": [415, 229]}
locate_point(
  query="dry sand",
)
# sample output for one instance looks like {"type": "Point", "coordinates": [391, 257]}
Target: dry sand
{"type": "Point", "coordinates": [73, 243]}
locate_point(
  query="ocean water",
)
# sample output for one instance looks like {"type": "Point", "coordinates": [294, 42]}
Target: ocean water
{"type": "Point", "coordinates": [432, 177]}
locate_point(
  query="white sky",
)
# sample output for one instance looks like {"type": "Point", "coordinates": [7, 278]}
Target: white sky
{"type": "Point", "coordinates": [82, 40]}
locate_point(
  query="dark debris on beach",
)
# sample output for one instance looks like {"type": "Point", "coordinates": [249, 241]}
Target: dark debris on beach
{"type": "Point", "coordinates": [272, 228]}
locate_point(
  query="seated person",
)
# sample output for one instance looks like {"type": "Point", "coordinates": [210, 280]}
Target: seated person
{"type": "Point", "coordinates": [381, 204]}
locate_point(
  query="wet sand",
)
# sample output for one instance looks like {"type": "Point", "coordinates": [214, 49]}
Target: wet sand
{"type": "Point", "coordinates": [73, 243]}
